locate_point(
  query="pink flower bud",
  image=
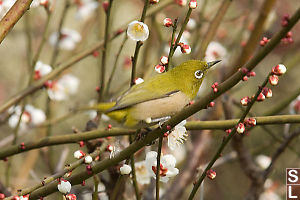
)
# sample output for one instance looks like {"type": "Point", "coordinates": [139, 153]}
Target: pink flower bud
{"type": "Point", "coordinates": [71, 197]}
{"type": "Point", "coordinates": [164, 60]}
{"type": "Point", "coordinates": [181, 2]}
{"type": "Point", "coordinates": [273, 79]}
{"type": "Point", "coordinates": [168, 22]}
{"type": "Point", "coordinates": [250, 122]}
{"type": "Point", "coordinates": [211, 174]}
{"type": "Point", "coordinates": [138, 81]}
{"type": "Point", "coordinates": [193, 4]}
{"type": "Point", "coordinates": [105, 5]}
{"type": "Point", "coordinates": [251, 74]}
{"type": "Point", "coordinates": [186, 49]}
{"type": "Point", "coordinates": [110, 148]}
{"type": "Point", "coordinates": [211, 104]}
{"type": "Point", "coordinates": [154, 1]}
{"type": "Point", "coordinates": [267, 92]}
{"type": "Point", "coordinates": [228, 131]}
{"type": "Point", "coordinates": [279, 69]}
{"type": "Point", "coordinates": [2, 196]}
{"type": "Point", "coordinates": [261, 97]}
{"type": "Point", "coordinates": [245, 78]}
{"type": "Point", "coordinates": [240, 128]}
{"type": "Point", "coordinates": [79, 154]}
{"type": "Point", "coordinates": [159, 68]}
{"type": "Point", "coordinates": [245, 101]}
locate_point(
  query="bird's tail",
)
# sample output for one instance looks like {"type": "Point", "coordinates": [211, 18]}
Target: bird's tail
{"type": "Point", "coordinates": [102, 107]}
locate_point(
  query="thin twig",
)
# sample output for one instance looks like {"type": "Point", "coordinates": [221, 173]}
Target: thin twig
{"type": "Point", "coordinates": [158, 166]}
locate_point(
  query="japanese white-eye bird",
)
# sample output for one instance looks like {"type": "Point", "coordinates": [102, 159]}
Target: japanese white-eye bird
{"type": "Point", "coordinates": [160, 97]}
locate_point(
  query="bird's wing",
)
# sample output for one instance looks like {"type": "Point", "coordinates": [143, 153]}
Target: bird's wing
{"type": "Point", "coordinates": [138, 95]}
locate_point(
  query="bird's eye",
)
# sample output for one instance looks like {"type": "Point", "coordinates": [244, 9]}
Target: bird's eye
{"type": "Point", "coordinates": [198, 74]}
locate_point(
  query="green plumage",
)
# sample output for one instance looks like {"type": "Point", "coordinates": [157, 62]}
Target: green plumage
{"type": "Point", "coordinates": [160, 96]}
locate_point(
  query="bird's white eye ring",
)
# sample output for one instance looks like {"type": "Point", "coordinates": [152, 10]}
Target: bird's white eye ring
{"type": "Point", "coordinates": [198, 74]}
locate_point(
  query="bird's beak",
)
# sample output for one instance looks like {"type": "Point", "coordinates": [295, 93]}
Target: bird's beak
{"type": "Point", "coordinates": [210, 64]}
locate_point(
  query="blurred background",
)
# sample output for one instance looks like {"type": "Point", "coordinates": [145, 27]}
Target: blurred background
{"type": "Point", "coordinates": [22, 43]}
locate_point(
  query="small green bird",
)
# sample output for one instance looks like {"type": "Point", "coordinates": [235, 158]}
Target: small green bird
{"type": "Point", "coordinates": [160, 97]}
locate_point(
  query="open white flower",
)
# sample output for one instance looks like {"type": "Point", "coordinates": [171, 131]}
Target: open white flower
{"type": "Point", "coordinates": [142, 174]}
{"type": "Point", "coordinates": [215, 51]}
{"type": "Point", "coordinates": [270, 191]}
{"type": "Point", "coordinates": [138, 31]}
{"type": "Point", "coordinates": [64, 186]}
{"type": "Point", "coordinates": [41, 70]}
{"type": "Point", "coordinates": [31, 116]}
{"type": "Point", "coordinates": [263, 161]}
{"type": "Point", "coordinates": [177, 136]}
{"type": "Point", "coordinates": [167, 166]}
{"type": "Point", "coordinates": [85, 9]}
{"type": "Point", "coordinates": [67, 40]}
{"type": "Point", "coordinates": [63, 88]}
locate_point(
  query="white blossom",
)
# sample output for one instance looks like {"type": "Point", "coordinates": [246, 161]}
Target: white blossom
{"type": "Point", "coordinates": [64, 186]}
{"type": "Point", "coordinates": [60, 90]}
{"type": "Point", "coordinates": [263, 161]}
{"type": "Point", "coordinates": [88, 159]}
{"type": "Point", "coordinates": [125, 169]}
{"type": "Point", "coordinates": [67, 40]}
{"type": "Point", "coordinates": [177, 136]}
{"type": "Point", "coordinates": [142, 174]}
{"type": "Point", "coordinates": [215, 51]}
{"type": "Point", "coordinates": [41, 70]}
{"type": "Point", "coordinates": [31, 116]}
{"type": "Point", "coordinates": [85, 9]}
{"type": "Point", "coordinates": [167, 168]}
{"type": "Point", "coordinates": [138, 31]}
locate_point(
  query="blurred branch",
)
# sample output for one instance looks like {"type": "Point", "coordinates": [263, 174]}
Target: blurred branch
{"type": "Point", "coordinates": [61, 22]}
{"type": "Point", "coordinates": [255, 35]}
{"type": "Point", "coordinates": [12, 17]}
{"type": "Point", "coordinates": [280, 150]}
{"type": "Point", "coordinates": [115, 64]}
{"type": "Point", "coordinates": [160, 141]}
{"type": "Point", "coordinates": [213, 27]}
{"type": "Point", "coordinates": [104, 51]}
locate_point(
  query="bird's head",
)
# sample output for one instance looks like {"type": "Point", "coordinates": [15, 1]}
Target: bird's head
{"type": "Point", "coordinates": [191, 73]}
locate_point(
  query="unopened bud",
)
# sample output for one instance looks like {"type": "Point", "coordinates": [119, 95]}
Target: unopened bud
{"type": "Point", "coordinates": [267, 92]}
{"type": "Point", "coordinates": [261, 97]}
{"type": "Point", "coordinates": [181, 2]}
{"type": "Point", "coordinates": [88, 159]}
{"type": "Point", "coordinates": [250, 122]}
{"type": "Point", "coordinates": [245, 101]}
{"type": "Point", "coordinates": [211, 174]}
{"type": "Point", "coordinates": [159, 68]}
{"type": "Point", "coordinates": [211, 104]}
{"type": "Point", "coordinates": [154, 1]}
{"type": "Point", "coordinates": [79, 154]}
{"type": "Point", "coordinates": [273, 79]}
{"type": "Point", "coordinates": [105, 5]}
{"type": "Point", "coordinates": [168, 22]}
{"type": "Point", "coordinates": [164, 60]}
{"type": "Point", "coordinates": [186, 49]}
{"type": "Point", "coordinates": [240, 128]}
{"type": "Point", "coordinates": [193, 4]}
{"type": "Point", "coordinates": [279, 69]}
